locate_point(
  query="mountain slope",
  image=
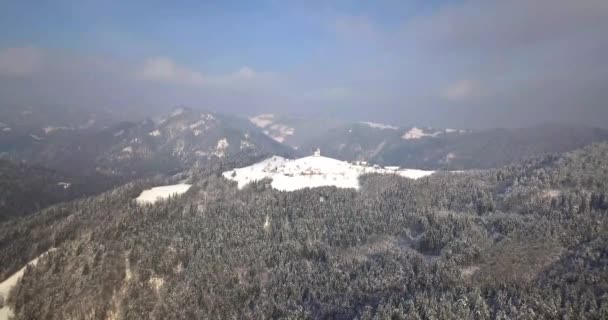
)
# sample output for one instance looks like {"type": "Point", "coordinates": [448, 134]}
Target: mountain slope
{"type": "Point", "coordinates": [25, 189]}
{"type": "Point", "coordinates": [451, 149]}
{"type": "Point", "coordinates": [183, 139]}
{"type": "Point", "coordinates": [450, 246]}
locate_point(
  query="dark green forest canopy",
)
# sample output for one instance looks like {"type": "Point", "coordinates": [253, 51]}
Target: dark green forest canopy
{"type": "Point", "coordinates": [525, 241]}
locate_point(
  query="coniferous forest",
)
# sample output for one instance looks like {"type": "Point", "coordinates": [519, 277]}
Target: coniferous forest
{"type": "Point", "coordinates": [526, 241]}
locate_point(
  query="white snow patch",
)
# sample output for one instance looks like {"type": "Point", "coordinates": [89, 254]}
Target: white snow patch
{"type": "Point", "coordinates": [220, 148]}
{"type": "Point", "coordinates": [246, 144]}
{"type": "Point", "coordinates": [197, 124]}
{"type": "Point", "coordinates": [379, 125]}
{"type": "Point", "coordinates": [177, 112]}
{"type": "Point", "coordinates": [35, 137]}
{"type": "Point", "coordinates": [8, 284]}
{"type": "Point", "coordinates": [155, 133]}
{"type": "Point", "coordinates": [156, 283]}
{"type": "Point", "coordinates": [417, 133]}
{"type": "Point", "coordinates": [207, 116]}
{"type": "Point", "coordinates": [551, 193]}
{"type": "Point", "coordinates": [197, 132]}
{"type": "Point", "coordinates": [153, 195]}
{"type": "Point", "coordinates": [267, 223]}
{"type": "Point", "coordinates": [64, 185]}
{"type": "Point", "coordinates": [128, 149]}
{"type": "Point", "coordinates": [280, 132]}
{"type": "Point", "coordinates": [119, 133]}
{"type": "Point", "coordinates": [262, 120]}
{"type": "Point", "coordinates": [313, 171]}
{"type": "Point", "coordinates": [48, 130]}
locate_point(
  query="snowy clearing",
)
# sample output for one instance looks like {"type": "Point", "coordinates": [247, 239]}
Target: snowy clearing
{"type": "Point", "coordinates": [278, 132]}
{"type": "Point", "coordinates": [262, 120]}
{"type": "Point", "coordinates": [48, 130]}
{"type": "Point", "coordinates": [64, 185]}
{"type": "Point", "coordinates": [379, 125]}
{"type": "Point", "coordinates": [10, 282]}
{"type": "Point", "coordinates": [220, 148]}
{"type": "Point", "coordinates": [155, 133]}
{"type": "Point", "coordinates": [153, 195]}
{"type": "Point", "coordinates": [417, 133]}
{"type": "Point", "coordinates": [35, 137]}
{"type": "Point", "coordinates": [310, 172]}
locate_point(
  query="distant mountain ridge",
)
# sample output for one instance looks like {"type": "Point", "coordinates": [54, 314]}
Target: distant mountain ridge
{"type": "Point", "coordinates": [431, 148]}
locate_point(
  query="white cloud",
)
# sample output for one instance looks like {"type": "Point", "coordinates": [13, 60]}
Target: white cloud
{"type": "Point", "coordinates": [165, 70]}
{"type": "Point", "coordinates": [19, 61]}
{"type": "Point", "coordinates": [460, 91]}
{"type": "Point", "coordinates": [245, 73]}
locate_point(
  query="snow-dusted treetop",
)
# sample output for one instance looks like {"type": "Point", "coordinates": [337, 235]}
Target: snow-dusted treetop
{"type": "Point", "coordinates": [313, 171]}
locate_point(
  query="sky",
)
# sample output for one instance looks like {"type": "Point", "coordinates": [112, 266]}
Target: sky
{"type": "Point", "coordinates": [456, 63]}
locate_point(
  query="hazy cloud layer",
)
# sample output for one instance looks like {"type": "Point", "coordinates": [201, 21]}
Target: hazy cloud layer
{"type": "Point", "coordinates": [466, 64]}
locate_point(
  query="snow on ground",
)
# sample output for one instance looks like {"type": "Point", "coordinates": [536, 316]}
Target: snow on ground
{"type": "Point", "coordinates": [48, 130]}
{"type": "Point", "coordinates": [64, 185]}
{"type": "Point", "coordinates": [417, 133]}
{"type": "Point", "coordinates": [246, 144]}
{"type": "Point", "coordinates": [379, 125]}
{"type": "Point", "coordinates": [8, 284]}
{"type": "Point", "coordinates": [280, 132]}
{"type": "Point", "coordinates": [177, 112]}
{"type": "Point", "coordinates": [220, 149]}
{"type": "Point", "coordinates": [153, 195]}
{"type": "Point", "coordinates": [154, 133]}
{"type": "Point", "coordinates": [262, 120]}
{"type": "Point", "coordinates": [128, 149]}
{"type": "Point", "coordinates": [35, 137]}
{"type": "Point", "coordinates": [313, 171]}
{"type": "Point", "coordinates": [276, 131]}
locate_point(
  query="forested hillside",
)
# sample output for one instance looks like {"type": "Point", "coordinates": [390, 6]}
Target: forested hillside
{"type": "Point", "coordinates": [180, 140]}
{"type": "Point", "coordinates": [25, 189]}
{"type": "Point", "coordinates": [526, 241]}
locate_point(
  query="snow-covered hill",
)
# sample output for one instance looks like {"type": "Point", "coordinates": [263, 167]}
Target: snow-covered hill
{"type": "Point", "coordinates": [313, 171]}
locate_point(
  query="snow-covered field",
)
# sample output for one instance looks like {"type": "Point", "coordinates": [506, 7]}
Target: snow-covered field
{"type": "Point", "coordinates": [382, 126]}
{"type": "Point", "coordinates": [276, 131]}
{"type": "Point", "coordinates": [8, 284]}
{"type": "Point", "coordinates": [417, 133]}
{"type": "Point", "coordinates": [313, 171]}
{"type": "Point", "coordinates": [153, 195]}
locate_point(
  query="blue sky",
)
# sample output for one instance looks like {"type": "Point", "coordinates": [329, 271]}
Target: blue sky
{"type": "Point", "coordinates": [216, 34]}
{"type": "Point", "coordinates": [459, 62]}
